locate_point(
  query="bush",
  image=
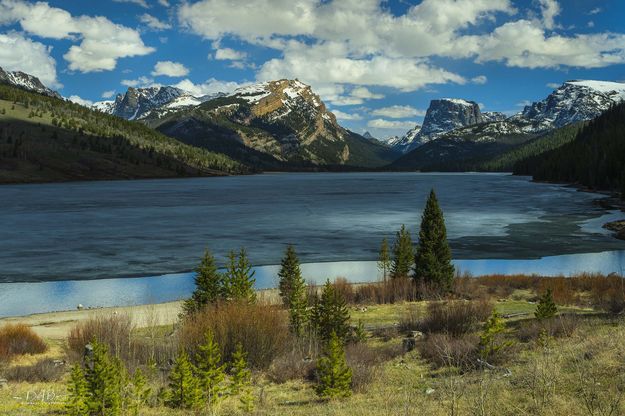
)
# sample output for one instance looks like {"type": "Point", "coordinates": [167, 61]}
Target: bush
{"type": "Point", "coordinates": [445, 350]}
{"type": "Point", "coordinates": [262, 331]}
{"type": "Point", "coordinates": [115, 331]}
{"type": "Point", "coordinates": [455, 317]}
{"type": "Point", "coordinates": [292, 365]}
{"type": "Point", "coordinates": [364, 362]}
{"type": "Point", "coordinates": [391, 291]}
{"type": "Point", "coordinates": [19, 339]}
{"type": "Point", "coordinates": [45, 370]}
{"type": "Point", "coordinates": [558, 327]}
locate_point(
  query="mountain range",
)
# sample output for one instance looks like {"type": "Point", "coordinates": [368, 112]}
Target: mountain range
{"type": "Point", "coordinates": [284, 125]}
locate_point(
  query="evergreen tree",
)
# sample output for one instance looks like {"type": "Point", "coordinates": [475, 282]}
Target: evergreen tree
{"type": "Point", "coordinates": [208, 285]}
{"type": "Point", "coordinates": [184, 391]}
{"type": "Point", "coordinates": [105, 382]}
{"type": "Point", "coordinates": [403, 254]}
{"type": "Point", "coordinates": [334, 377]}
{"type": "Point", "coordinates": [139, 392]}
{"type": "Point", "coordinates": [384, 259]}
{"type": "Point", "coordinates": [433, 258]}
{"type": "Point", "coordinates": [210, 370]}
{"type": "Point", "coordinates": [293, 290]}
{"type": "Point", "coordinates": [546, 307]}
{"type": "Point", "coordinates": [77, 400]}
{"type": "Point", "coordinates": [241, 379]}
{"type": "Point", "coordinates": [490, 343]}
{"type": "Point", "coordinates": [239, 278]}
{"type": "Point", "coordinates": [330, 314]}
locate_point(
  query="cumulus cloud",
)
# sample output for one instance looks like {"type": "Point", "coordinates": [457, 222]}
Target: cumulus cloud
{"type": "Point", "coordinates": [480, 80]}
{"type": "Point", "coordinates": [108, 94]}
{"type": "Point", "coordinates": [550, 9]}
{"type": "Point", "coordinates": [340, 115]}
{"type": "Point", "coordinates": [102, 42]}
{"type": "Point", "coordinates": [380, 123]}
{"type": "Point", "coordinates": [164, 3]}
{"type": "Point", "coordinates": [228, 54]}
{"type": "Point", "coordinates": [141, 82]}
{"type": "Point", "coordinates": [18, 53]}
{"type": "Point", "coordinates": [76, 99]}
{"type": "Point", "coordinates": [209, 87]}
{"type": "Point", "coordinates": [153, 23]}
{"type": "Point", "coordinates": [170, 69]}
{"type": "Point", "coordinates": [398, 111]}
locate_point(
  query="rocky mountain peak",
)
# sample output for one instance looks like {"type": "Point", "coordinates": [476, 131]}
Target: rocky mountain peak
{"type": "Point", "coordinates": [26, 81]}
{"type": "Point", "coordinates": [573, 101]}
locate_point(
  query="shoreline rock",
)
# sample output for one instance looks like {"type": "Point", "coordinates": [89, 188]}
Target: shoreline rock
{"type": "Point", "coordinates": [618, 227]}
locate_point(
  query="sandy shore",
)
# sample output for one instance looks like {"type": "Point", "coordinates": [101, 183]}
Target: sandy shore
{"type": "Point", "coordinates": [56, 325]}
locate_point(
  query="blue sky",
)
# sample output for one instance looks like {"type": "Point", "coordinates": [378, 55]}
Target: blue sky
{"type": "Point", "coordinates": [376, 64]}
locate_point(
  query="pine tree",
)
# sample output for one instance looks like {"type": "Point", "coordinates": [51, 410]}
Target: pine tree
{"type": "Point", "coordinates": [546, 307]}
{"type": "Point", "coordinates": [239, 278]}
{"type": "Point", "coordinates": [105, 382]}
{"type": "Point", "coordinates": [384, 259]}
{"type": "Point", "coordinates": [241, 379]}
{"type": "Point", "coordinates": [334, 377]}
{"type": "Point", "coordinates": [489, 339]}
{"type": "Point", "coordinates": [293, 290]}
{"type": "Point", "coordinates": [77, 401]}
{"type": "Point", "coordinates": [403, 254]}
{"type": "Point", "coordinates": [433, 259]}
{"type": "Point", "coordinates": [208, 285]}
{"type": "Point", "coordinates": [210, 370]}
{"type": "Point", "coordinates": [139, 392]}
{"type": "Point", "coordinates": [184, 391]}
{"type": "Point", "coordinates": [330, 314]}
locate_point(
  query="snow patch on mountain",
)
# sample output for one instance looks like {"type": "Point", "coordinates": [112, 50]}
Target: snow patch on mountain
{"type": "Point", "coordinates": [27, 82]}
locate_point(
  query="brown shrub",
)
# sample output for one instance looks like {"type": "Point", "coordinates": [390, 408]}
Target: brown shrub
{"type": "Point", "coordinates": [445, 350]}
{"type": "Point", "coordinates": [455, 317]}
{"type": "Point", "coordinates": [411, 318]}
{"type": "Point", "coordinates": [45, 370]}
{"type": "Point", "coordinates": [262, 330]}
{"type": "Point", "coordinates": [345, 289]}
{"type": "Point", "coordinates": [391, 291]}
{"type": "Point", "coordinates": [558, 327]}
{"type": "Point", "coordinates": [608, 293]}
{"type": "Point", "coordinates": [364, 362]}
{"type": "Point", "coordinates": [18, 339]}
{"type": "Point", "coordinates": [113, 330]}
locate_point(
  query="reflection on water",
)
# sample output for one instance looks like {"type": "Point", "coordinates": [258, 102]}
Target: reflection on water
{"type": "Point", "coordinates": [28, 298]}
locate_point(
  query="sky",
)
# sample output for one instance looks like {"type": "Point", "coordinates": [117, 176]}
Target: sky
{"type": "Point", "coordinates": [376, 64]}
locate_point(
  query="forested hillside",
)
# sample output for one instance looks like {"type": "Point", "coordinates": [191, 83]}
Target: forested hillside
{"type": "Point", "coordinates": [45, 139]}
{"type": "Point", "coordinates": [544, 143]}
{"type": "Point", "coordinates": [596, 158]}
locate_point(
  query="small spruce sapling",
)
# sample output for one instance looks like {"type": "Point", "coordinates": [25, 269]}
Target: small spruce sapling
{"type": "Point", "coordinates": [334, 377]}
{"type": "Point", "coordinates": [546, 307]}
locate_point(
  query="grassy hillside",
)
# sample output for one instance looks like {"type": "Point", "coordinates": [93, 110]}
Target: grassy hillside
{"type": "Point", "coordinates": [416, 358]}
{"type": "Point", "coordinates": [45, 139]}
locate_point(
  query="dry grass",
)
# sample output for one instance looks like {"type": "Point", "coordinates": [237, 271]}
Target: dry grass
{"type": "Point", "coordinates": [19, 339]}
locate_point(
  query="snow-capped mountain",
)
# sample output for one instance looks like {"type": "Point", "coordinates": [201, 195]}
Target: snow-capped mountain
{"type": "Point", "coordinates": [442, 116]}
{"type": "Point", "coordinates": [26, 81]}
{"type": "Point", "coordinates": [490, 116]}
{"type": "Point", "coordinates": [284, 119]}
{"type": "Point", "coordinates": [137, 103]}
{"type": "Point", "coordinates": [572, 102]}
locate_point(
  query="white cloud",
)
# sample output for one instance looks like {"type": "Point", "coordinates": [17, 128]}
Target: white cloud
{"type": "Point", "coordinates": [480, 80]}
{"type": "Point", "coordinates": [141, 3]}
{"type": "Point", "coordinates": [228, 54]}
{"type": "Point", "coordinates": [364, 93]}
{"type": "Point", "coordinates": [596, 10]}
{"type": "Point", "coordinates": [553, 85]}
{"type": "Point", "coordinates": [141, 82]}
{"type": "Point", "coordinates": [164, 3]}
{"type": "Point", "coordinates": [170, 69]}
{"type": "Point", "coordinates": [108, 94]}
{"type": "Point", "coordinates": [380, 123]}
{"type": "Point", "coordinates": [550, 9]}
{"type": "Point", "coordinates": [211, 86]}
{"type": "Point", "coordinates": [18, 53]}
{"type": "Point", "coordinates": [153, 23]}
{"type": "Point", "coordinates": [76, 99]}
{"type": "Point", "coordinates": [346, 116]}
{"type": "Point", "coordinates": [102, 42]}
{"type": "Point", "coordinates": [398, 111]}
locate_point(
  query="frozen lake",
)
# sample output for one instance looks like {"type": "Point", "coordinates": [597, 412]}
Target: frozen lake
{"type": "Point", "coordinates": [122, 229]}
